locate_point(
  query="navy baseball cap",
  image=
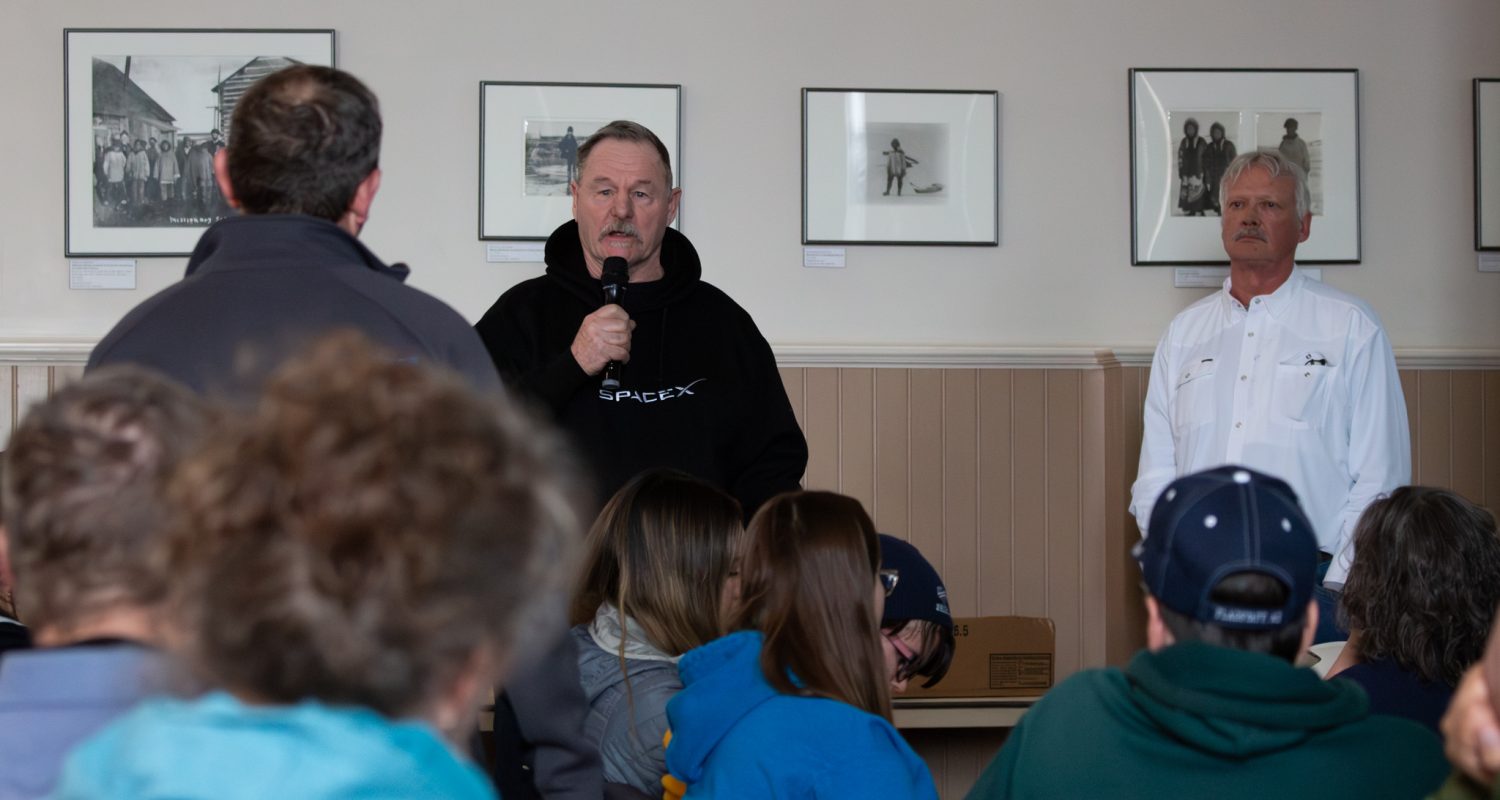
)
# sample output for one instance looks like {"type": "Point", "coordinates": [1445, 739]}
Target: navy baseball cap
{"type": "Point", "coordinates": [919, 592]}
{"type": "Point", "coordinates": [1211, 524]}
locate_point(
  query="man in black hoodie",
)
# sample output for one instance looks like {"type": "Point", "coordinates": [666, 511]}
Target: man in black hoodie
{"type": "Point", "coordinates": [699, 390]}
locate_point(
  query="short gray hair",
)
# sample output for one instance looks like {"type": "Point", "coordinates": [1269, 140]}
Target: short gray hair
{"type": "Point", "coordinates": [1273, 162]}
{"type": "Point", "coordinates": [627, 131]}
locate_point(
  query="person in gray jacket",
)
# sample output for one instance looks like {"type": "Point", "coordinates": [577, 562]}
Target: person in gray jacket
{"type": "Point", "coordinates": [656, 563]}
{"type": "Point", "coordinates": [303, 171]}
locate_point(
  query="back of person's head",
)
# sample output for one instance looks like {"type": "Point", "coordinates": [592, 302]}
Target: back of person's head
{"type": "Point", "coordinates": [304, 139]}
{"type": "Point", "coordinates": [1230, 560]}
{"type": "Point", "coordinates": [85, 516]}
{"type": "Point", "coordinates": [371, 533]}
{"type": "Point", "coordinates": [916, 609]}
{"type": "Point", "coordinates": [7, 599]}
{"type": "Point", "coordinates": [807, 582]}
{"type": "Point", "coordinates": [1422, 591]}
{"type": "Point", "coordinates": [660, 552]}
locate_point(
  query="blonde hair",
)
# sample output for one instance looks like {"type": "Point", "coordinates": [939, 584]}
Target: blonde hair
{"type": "Point", "coordinates": [659, 552]}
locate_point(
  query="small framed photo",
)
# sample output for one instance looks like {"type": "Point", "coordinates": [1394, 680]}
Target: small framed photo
{"type": "Point", "coordinates": [529, 135]}
{"type": "Point", "coordinates": [900, 167]}
{"type": "Point", "coordinates": [1487, 164]}
{"type": "Point", "coordinates": [144, 112]}
{"type": "Point", "coordinates": [1186, 125]}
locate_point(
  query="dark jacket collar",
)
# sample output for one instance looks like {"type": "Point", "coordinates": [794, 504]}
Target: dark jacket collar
{"type": "Point", "coordinates": [283, 240]}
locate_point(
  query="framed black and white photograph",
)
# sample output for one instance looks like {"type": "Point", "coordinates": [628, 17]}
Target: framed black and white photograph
{"type": "Point", "coordinates": [1186, 125]}
{"type": "Point", "coordinates": [1487, 164]}
{"type": "Point", "coordinates": [900, 167]}
{"type": "Point", "coordinates": [144, 113]}
{"type": "Point", "coordinates": [529, 134]}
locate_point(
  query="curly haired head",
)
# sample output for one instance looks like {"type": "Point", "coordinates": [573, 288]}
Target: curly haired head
{"type": "Point", "coordinates": [83, 507]}
{"type": "Point", "coordinates": [367, 531]}
{"type": "Point", "coordinates": [1422, 591]}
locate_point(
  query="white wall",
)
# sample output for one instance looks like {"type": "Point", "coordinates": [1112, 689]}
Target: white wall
{"type": "Point", "coordinates": [1062, 274]}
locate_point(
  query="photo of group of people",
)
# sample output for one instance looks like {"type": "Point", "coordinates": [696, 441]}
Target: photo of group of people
{"type": "Point", "coordinates": [146, 182]}
{"type": "Point", "coordinates": [1211, 139]}
{"type": "Point", "coordinates": [157, 123]}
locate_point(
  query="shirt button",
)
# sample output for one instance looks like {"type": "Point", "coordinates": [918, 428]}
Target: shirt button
{"type": "Point", "coordinates": [1238, 424]}
{"type": "Point", "coordinates": [1252, 334]}
{"type": "Point", "coordinates": [1257, 301]}
{"type": "Point", "coordinates": [1244, 377]}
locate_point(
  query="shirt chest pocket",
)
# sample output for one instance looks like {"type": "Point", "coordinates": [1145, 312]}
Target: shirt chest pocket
{"type": "Point", "coordinates": [1194, 403]}
{"type": "Point", "coordinates": [1300, 390]}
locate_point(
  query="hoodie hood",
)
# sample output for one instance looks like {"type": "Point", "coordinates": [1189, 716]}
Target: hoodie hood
{"type": "Point", "coordinates": [242, 751]}
{"type": "Point", "coordinates": [679, 261]}
{"type": "Point", "coordinates": [722, 682]}
{"type": "Point", "coordinates": [1238, 704]}
{"type": "Point", "coordinates": [293, 240]}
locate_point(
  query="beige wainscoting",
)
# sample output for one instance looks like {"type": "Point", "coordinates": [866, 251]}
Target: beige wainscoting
{"type": "Point", "coordinates": [1010, 469]}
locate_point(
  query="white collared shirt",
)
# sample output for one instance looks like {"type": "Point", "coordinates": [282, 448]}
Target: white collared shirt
{"type": "Point", "coordinates": [1301, 385]}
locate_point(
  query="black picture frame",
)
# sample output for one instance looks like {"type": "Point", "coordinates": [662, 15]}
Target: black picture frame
{"type": "Point", "coordinates": [531, 209]}
{"type": "Point", "coordinates": [1486, 164]}
{"type": "Point", "coordinates": [957, 205]}
{"type": "Point", "coordinates": [103, 103]}
{"type": "Point", "coordinates": [1178, 232]}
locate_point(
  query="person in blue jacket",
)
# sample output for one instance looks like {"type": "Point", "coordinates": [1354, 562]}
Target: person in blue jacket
{"type": "Point", "coordinates": [794, 701]}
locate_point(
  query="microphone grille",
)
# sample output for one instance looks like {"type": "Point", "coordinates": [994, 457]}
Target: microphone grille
{"type": "Point", "coordinates": [616, 270]}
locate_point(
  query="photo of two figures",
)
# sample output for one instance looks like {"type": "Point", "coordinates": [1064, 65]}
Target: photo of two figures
{"type": "Point", "coordinates": [1209, 140]}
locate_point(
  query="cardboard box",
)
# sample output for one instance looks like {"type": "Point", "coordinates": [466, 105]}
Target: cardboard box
{"type": "Point", "coordinates": [996, 657]}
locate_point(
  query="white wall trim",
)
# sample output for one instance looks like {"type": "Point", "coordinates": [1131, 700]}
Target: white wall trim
{"type": "Point", "coordinates": [938, 356]}
{"type": "Point", "coordinates": [46, 351]}
{"type": "Point", "coordinates": [76, 351]}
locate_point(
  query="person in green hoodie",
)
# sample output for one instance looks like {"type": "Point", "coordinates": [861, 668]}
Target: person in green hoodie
{"type": "Point", "coordinates": [1215, 707]}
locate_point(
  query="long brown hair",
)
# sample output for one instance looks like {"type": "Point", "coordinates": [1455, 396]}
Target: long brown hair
{"type": "Point", "coordinates": [659, 552]}
{"type": "Point", "coordinates": [807, 583]}
{"type": "Point", "coordinates": [1422, 591]}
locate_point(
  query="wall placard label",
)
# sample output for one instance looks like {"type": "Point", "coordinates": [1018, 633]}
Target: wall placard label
{"type": "Point", "coordinates": [514, 252]}
{"type": "Point", "coordinates": [101, 273]}
{"type": "Point", "coordinates": [1213, 277]}
{"type": "Point", "coordinates": [823, 257]}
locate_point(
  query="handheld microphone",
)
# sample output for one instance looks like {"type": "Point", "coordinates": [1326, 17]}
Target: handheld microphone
{"type": "Point", "coordinates": [615, 277]}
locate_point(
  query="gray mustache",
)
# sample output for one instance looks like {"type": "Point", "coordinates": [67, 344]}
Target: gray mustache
{"type": "Point", "coordinates": [621, 227]}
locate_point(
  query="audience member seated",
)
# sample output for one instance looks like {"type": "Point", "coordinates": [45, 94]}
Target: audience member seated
{"type": "Point", "coordinates": [13, 635]}
{"type": "Point", "coordinates": [1215, 707]}
{"type": "Point", "coordinates": [794, 700]}
{"type": "Point", "coordinates": [337, 554]}
{"type": "Point", "coordinates": [87, 528]}
{"type": "Point", "coordinates": [1419, 600]}
{"type": "Point", "coordinates": [1471, 730]}
{"type": "Point", "coordinates": [916, 629]}
{"type": "Point", "coordinates": [655, 564]}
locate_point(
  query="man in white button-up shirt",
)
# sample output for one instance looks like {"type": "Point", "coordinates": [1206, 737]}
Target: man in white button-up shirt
{"type": "Point", "coordinates": [1277, 372]}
